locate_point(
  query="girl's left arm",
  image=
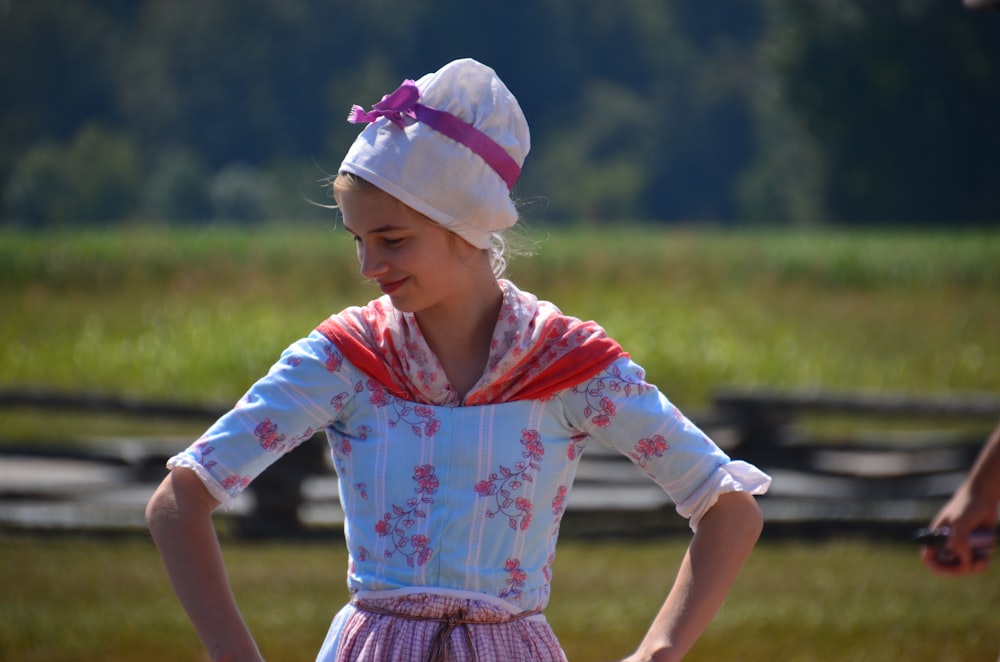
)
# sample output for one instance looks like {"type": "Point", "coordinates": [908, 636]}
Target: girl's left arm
{"type": "Point", "coordinates": [723, 541]}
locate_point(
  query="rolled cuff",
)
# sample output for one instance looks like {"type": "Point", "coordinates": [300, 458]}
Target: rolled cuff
{"type": "Point", "coordinates": [734, 476]}
{"type": "Point", "coordinates": [213, 486]}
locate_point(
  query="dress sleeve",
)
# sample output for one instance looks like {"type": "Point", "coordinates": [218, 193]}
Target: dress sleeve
{"type": "Point", "coordinates": [305, 391]}
{"type": "Point", "coordinates": [621, 410]}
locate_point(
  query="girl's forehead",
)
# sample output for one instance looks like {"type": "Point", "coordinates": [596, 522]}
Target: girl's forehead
{"type": "Point", "coordinates": [367, 212]}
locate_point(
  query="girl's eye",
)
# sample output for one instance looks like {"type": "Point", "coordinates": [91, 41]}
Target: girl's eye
{"type": "Point", "coordinates": [392, 242]}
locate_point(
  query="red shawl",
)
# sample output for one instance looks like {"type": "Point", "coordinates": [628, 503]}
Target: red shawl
{"type": "Point", "coordinates": [536, 351]}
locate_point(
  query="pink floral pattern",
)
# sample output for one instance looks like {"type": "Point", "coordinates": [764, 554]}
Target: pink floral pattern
{"type": "Point", "coordinates": [503, 484]}
{"type": "Point", "coordinates": [559, 502]}
{"type": "Point", "coordinates": [516, 579]}
{"type": "Point", "coordinates": [334, 359]}
{"type": "Point", "coordinates": [576, 445]}
{"type": "Point", "coordinates": [379, 433]}
{"type": "Point", "coordinates": [233, 484]}
{"type": "Point", "coordinates": [420, 418]}
{"type": "Point", "coordinates": [600, 408]}
{"type": "Point", "coordinates": [343, 446]}
{"type": "Point", "coordinates": [201, 450]}
{"type": "Point", "coordinates": [647, 449]}
{"type": "Point", "coordinates": [397, 525]}
{"type": "Point", "coordinates": [271, 439]}
{"type": "Point", "coordinates": [547, 568]}
{"type": "Point", "coordinates": [268, 436]}
{"type": "Point", "coordinates": [338, 401]}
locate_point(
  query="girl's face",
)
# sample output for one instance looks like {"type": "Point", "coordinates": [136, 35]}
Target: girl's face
{"type": "Point", "coordinates": [418, 263]}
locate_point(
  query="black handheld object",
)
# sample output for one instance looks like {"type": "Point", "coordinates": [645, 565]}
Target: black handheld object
{"type": "Point", "coordinates": [981, 542]}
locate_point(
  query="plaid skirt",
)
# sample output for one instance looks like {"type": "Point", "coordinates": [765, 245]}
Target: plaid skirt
{"type": "Point", "coordinates": [431, 627]}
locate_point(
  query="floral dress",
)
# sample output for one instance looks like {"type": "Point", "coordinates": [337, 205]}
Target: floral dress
{"type": "Point", "coordinates": [454, 507]}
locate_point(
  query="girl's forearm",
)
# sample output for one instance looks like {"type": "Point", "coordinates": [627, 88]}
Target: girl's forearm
{"type": "Point", "coordinates": [725, 537]}
{"type": "Point", "coordinates": [180, 521]}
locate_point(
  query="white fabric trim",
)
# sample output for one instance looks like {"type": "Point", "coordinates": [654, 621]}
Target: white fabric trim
{"type": "Point", "coordinates": [214, 488]}
{"type": "Point", "coordinates": [734, 476]}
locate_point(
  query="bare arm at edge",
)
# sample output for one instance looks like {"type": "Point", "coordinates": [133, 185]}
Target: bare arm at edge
{"type": "Point", "coordinates": [724, 539]}
{"type": "Point", "coordinates": [179, 516]}
{"type": "Point", "coordinates": [973, 506]}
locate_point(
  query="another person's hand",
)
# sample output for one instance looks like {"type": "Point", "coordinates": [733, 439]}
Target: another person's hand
{"type": "Point", "coordinates": [968, 525]}
{"type": "Point", "coordinates": [969, 518]}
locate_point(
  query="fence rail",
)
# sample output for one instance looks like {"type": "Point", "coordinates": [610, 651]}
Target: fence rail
{"type": "Point", "coordinates": [858, 478]}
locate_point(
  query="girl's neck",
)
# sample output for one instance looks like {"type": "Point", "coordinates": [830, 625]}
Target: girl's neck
{"type": "Point", "coordinates": [460, 335]}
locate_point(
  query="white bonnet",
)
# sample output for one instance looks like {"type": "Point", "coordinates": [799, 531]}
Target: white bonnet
{"type": "Point", "coordinates": [443, 179]}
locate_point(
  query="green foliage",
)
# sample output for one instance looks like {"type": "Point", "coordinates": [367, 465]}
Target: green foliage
{"type": "Point", "coordinates": [31, 193]}
{"type": "Point", "coordinates": [93, 180]}
{"type": "Point", "coordinates": [242, 193]}
{"type": "Point", "coordinates": [895, 96]}
{"type": "Point", "coordinates": [741, 112]}
{"type": "Point", "coordinates": [177, 189]}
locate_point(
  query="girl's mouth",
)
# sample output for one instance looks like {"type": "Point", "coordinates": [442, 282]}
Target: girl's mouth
{"type": "Point", "coordinates": [391, 286]}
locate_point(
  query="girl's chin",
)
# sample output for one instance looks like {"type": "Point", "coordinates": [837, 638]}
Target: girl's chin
{"type": "Point", "coordinates": [402, 304]}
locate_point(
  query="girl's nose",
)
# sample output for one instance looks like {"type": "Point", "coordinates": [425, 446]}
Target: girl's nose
{"type": "Point", "coordinates": [371, 261]}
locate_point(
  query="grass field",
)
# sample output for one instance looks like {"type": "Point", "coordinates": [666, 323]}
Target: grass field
{"type": "Point", "coordinates": [197, 315]}
{"type": "Point", "coordinates": [200, 314]}
{"type": "Point", "coordinates": [68, 599]}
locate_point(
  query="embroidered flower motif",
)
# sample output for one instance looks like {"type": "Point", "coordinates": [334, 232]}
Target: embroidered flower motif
{"type": "Point", "coordinates": [396, 525]}
{"type": "Point", "coordinates": [503, 484]}
{"type": "Point", "coordinates": [342, 447]}
{"type": "Point", "coordinates": [532, 442]}
{"type": "Point", "coordinates": [547, 568]}
{"type": "Point", "coordinates": [558, 508]}
{"type": "Point", "coordinates": [268, 436]}
{"type": "Point", "coordinates": [419, 417]}
{"type": "Point", "coordinates": [576, 446]}
{"type": "Point", "coordinates": [338, 401]}
{"type": "Point", "coordinates": [427, 482]}
{"type": "Point", "coordinates": [334, 359]}
{"type": "Point", "coordinates": [234, 484]}
{"type": "Point", "coordinates": [647, 449]}
{"type": "Point", "coordinates": [271, 440]}
{"type": "Point", "coordinates": [600, 407]}
{"type": "Point", "coordinates": [379, 397]}
{"type": "Point", "coordinates": [559, 502]}
{"type": "Point", "coordinates": [201, 450]}
{"type": "Point", "coordinates": [516, 579]}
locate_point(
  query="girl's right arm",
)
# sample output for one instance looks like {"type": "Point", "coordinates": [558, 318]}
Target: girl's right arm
{"type": "Point", "coordinates": [179, 515]}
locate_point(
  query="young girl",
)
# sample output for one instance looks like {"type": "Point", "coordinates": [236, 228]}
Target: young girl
{"type": "Point", "coordinates": [456, 407]}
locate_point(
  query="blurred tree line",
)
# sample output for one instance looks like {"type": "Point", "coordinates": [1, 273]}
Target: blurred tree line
{"type": "Point", "coordinates": [736, 111]}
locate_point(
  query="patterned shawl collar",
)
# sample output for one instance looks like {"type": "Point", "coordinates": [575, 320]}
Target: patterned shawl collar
{"type": "Point", "coordinates": [535, 352]}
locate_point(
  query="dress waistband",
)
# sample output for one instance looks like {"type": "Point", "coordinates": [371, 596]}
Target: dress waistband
{"type": "Point", "coordinates": [457, 619]}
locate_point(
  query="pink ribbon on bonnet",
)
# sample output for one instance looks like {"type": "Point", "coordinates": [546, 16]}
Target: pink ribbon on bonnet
{"type": "Point", "coordinates": [403, 103]}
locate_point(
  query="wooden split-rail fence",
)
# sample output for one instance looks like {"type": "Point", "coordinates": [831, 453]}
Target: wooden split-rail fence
{"type": "Point", "coordinates": [840, 462]}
